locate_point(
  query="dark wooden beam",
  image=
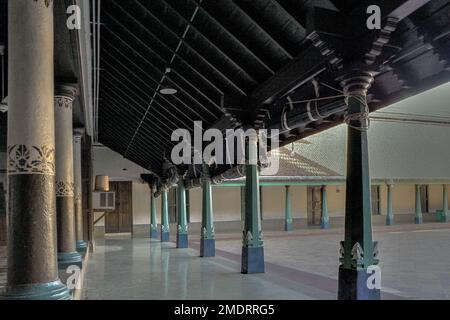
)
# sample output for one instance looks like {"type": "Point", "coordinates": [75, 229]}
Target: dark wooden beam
{"type": "Point", "coordinates": [302, 68]}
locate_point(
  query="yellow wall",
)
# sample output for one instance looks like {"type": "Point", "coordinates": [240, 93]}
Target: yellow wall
{"type": "Point", "coordinates": [336, 201]}
{"type": "Point", "coordinates": [227, 202]}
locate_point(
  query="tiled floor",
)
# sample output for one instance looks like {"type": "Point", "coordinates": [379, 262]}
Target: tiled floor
{"type": "Point", "coordinates": [415, 264]}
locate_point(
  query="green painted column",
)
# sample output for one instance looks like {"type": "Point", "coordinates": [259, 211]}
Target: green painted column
{"type": "Point", "coordinates": [207, 242]}
{"type": "Point", "coordinates": [390, 212]}
{"type": "Point", "coordinates": [418, 219]}
{"type": "Point", "coordinates": [252, 244]}
{"type": "Point", "coordinates": [153, 219]}
{"type": "Point", "coordinates": [182, 228]}
{"type": "Point", "coordinates": [358, 251]}
{"type": "Point", "coordinates": [325, 224]}
{"type": "Point", "coordinates": [445, 203]}
{"type": "Point", "coordinates": [288, 225]}
{"type": "Point", "coordinates": [165, 229]}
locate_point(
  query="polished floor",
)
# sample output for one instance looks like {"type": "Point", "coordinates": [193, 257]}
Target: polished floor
{"type": "Point", "coordinates": [303, 264]}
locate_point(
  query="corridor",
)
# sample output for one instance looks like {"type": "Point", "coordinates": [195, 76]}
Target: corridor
{"type": "Point", "coordinates": [299, 265]}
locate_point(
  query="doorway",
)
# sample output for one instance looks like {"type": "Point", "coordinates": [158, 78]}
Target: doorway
{"type": "Point", "coordinates": [424, 198]}
{"type": "Point", "coordinates": [375, 200]}
{"type": "Point", "coordinates": [121, 219]}
{"type": "Point", "coordinates": [314, 195]}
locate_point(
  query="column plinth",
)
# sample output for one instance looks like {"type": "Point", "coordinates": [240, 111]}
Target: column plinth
{"type": "Point", "coordinates": [445, 212]}
{"type": "Point", "coordinates": [288, 226]}
{"type": "Point", "coordinates": [81, 245]}
{"type": "Point", "coordinates": [182, 227]}
{"type": "Point", "coordinates": [165, 228]}
{"type": "Point", "coordinates": [252, 244]}
{"type": "Point", "coordinates": [390, 211]}
{"type": "Point", "coordinates": [65, 208]}
{"type": "Point", "coordinates": [418, 217]}
{"type": "Point", "coordinates": [153, 219]}
{"type": "Point", "coordinates": [207, 241]}
{"type": "Point", "coordinates": [358, 251]}
{"type": "Point", "coordinates": [325, 221]}
{"type": "Point", "coordinates": [32, 270]}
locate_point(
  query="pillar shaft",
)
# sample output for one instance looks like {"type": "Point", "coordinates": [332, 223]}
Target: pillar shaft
{"type": "Point", "coordinates": [182, 228]}
{"type": "Point", "coordinates": [390, 211]}
{"type": "Point", "coordinates": [207, 243]}
{"type": "Point", "coordinates": [357, 250]}
{"type": "Point", "coordinates": [32, 271]}
{"type": "Point", "coordinates": [445, 203]}
{"type": "Point", "coordinates": [165, 229]}
{"type": "Point", "coordinates": [418, 219]}
{"type": "Point", "coordinates": [81, 245]}
{"type": "Point", "coordinates": [252, 248]}
{"type": "Point", "coordinates": [153, 219]}
{"type": "Point", "coordinates": [288, 210]}
{"type": "Point", "coordinates": [325, 223]}
{"type": "Point", "coordinates": [67, 254]}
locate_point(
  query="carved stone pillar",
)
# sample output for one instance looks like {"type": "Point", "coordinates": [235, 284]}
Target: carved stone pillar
{"type": "Point", "coordinates": [252, 243]}
{"type": "Point", "coordinates": [32, 264]}
{"type": "Point", "coordinates": [81, 245]}
{"type": "Point", "coordinates": [67, 253]}
{"type": "Point", "coordinates": [359, 252]}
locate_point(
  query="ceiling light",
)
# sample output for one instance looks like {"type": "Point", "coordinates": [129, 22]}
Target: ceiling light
{"type": "Point", "coordinates": [166, 85]}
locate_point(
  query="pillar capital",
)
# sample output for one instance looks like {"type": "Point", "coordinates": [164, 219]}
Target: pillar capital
{"type": "Point", "coordinates": [66, 90]}
{"type": "Point", "coordinates": [78, 133]}
{"type": "Point", "coordinates": [357, 82]}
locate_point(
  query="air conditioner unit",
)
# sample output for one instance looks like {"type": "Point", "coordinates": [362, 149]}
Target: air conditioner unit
{"type": "Point", "coordinates": [104, 200]}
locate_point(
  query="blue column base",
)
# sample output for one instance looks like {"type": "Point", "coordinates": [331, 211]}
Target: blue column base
{"type": "Point", "coordinates": [325, 225]}
{"type": "Point", "coordinates": [252, 260]}
{"type": "Point", "coordinates": [207, 248]}
{"type": "Point", "coordinates": [418, 220]}
{"type": "Point", "coordinates": [182, 240]}
{"type": "Point", "coordinates": [67, 259]}
{"type": "Point", "coordinates": [154, 234]}
{"type": "Point", "coordinates": [288, 226]}
{"type": "Point", "coordinates": [165, 236]}
{"type": "Point", "coordinates": [43, 291]}
{"type": "Point", "coordinates": [81, 246]}
{"type": "Point", "coordinates": [352, 285]}
{"type": "Point", "coordinates": [446, 218]}
{"type": "Point", "coordinates": [389, 220]}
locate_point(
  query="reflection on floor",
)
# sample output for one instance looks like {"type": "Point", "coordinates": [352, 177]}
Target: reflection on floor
{"type": "Point", "coordinates": [299, 265]}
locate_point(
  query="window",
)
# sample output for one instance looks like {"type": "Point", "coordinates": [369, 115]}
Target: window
{"type": "Point", "coordinates": [104, 200]}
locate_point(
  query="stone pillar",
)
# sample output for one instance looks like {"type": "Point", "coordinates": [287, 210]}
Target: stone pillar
{"type": "Point", "coordinates": [252, 244]}
{"type": "Point", "coordinates": [207, 241]}
{"type": "Point", "coordinates": [358, 251]}
{"type": "Point", "coordinates": [418, 218]}
{"type": "Point", "coordinates": [288, 210]}
{"type": "Point", "coordinates": [81, 245]}
{"type": "Point", "coordinates": [445, 203]}
{"type": "Point", "coordinates": [165, 229]}
{"type": "Point", "coordinates": [67, 253]}
{"type": "Point", "coordinates": [182, 228]}
{"type": "Point", "coordinates": [325, 223]}
{"type": "Point", "coordinates": [153, 219]}
{"type": "Point", "coordinates": [390, 211]}
{"type": "Point", "coordinates": [32, 262]}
